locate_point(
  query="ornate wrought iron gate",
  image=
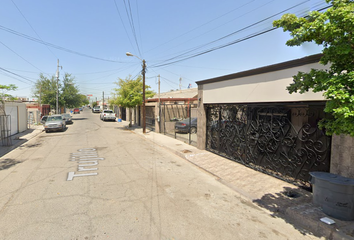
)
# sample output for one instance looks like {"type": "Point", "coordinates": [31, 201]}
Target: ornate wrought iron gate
{"type": "Point", "coordinates": [283, 141]}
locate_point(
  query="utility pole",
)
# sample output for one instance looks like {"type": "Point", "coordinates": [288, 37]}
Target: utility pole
{"type": "Point", "coordinates": [180, 84]}
{"type": "Point", "coordinates": [144, 117]}
{"type": "Point", "coordinates": [57, 75]}
{"type": "Point", "coordinates": [103, 100]}
{"type": "Point", "coordinates": [143, 71]}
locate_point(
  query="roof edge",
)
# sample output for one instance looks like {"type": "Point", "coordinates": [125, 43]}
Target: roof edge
{"type": "Point", "coordinates": [271, 68]}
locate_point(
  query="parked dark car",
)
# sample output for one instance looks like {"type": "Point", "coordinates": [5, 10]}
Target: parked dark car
{"type": "Point", "coordinates": [67, 117]}
{"type": "Point", "coordinates": [184, 126]}
{"type": "Point", "coordinates": [76, 111]}
{"type": "Point", "coordinates": [44, 118]}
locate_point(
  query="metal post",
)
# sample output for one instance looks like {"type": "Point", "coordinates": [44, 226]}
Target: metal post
{"type": "Point", "coordinates": [190, 124]}
{"type": "Point", "coordinates": [159, 107]}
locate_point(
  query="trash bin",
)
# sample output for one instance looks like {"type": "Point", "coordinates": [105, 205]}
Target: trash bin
{"type": "Point", "coordinates": [334, 194]}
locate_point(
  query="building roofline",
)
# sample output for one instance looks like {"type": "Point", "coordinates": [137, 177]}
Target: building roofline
{"type": "Point", "coordinates": [271, 68]}
{"type": "Point", "coordinates": [170, 99]}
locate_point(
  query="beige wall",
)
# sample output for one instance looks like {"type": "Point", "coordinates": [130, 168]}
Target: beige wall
{"type": "Point", "coordinates": [18, 112]}
{"type": "Point", "coordinates": [22, 117]}
{"type": "Point", "coordinates": [267, 87]}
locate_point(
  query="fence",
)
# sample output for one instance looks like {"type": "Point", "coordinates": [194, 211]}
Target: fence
{"type": "Point", "coordinates": [5, 130]}
{"type": "Point", "coordinates": [283, 141]}
{"type": "Point", "coordinates": [179, 121]}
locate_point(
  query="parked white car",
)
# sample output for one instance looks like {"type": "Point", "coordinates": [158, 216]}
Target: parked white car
{"type": "Point", "coordinates": [108, 115]}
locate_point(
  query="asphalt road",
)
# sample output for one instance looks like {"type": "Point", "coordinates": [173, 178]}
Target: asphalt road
{"type": "Point", "coordinates": [128, 188]}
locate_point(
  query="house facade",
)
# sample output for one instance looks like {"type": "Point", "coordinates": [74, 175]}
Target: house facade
{"type": "Point", "coordinates": [249, 117]}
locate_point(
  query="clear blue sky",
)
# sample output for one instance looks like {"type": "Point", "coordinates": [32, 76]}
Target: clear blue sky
{"type": "Point", "coordinates": [90, 39]}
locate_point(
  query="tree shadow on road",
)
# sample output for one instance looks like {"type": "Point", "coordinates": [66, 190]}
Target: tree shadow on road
{"type": "Point", "coordinates": [7, 163]}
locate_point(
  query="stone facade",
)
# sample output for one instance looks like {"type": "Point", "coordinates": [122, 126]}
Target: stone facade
{"type": "Point", "coordinates": [342, 155]}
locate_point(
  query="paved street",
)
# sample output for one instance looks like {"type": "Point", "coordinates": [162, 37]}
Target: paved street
{"type": "Point", "coordinates": [134, 190]}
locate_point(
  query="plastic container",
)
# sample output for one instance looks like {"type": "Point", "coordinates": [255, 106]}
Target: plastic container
{"type": "Point", "coordinates": [334, 194]}
{"type": "Point", "coordinates": [119, 120]}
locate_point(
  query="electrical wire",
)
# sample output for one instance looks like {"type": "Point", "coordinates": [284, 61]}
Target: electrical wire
{"type": "Point", "coordinates": [131, 23]}
{"type": "Point", "coordinates": [21, 56]}
{"type": "Point", "coordinates": [54, 46]}
{"type": "Point", "coordinates": [7, 71]}
{"type": "Point", "coordinates": [235, 32]}
{"type": "Point", "coordinates": [183, 58]}
{"type": "Point", "coordinates": [32, 27]}
{"type": "Point", "coordinates": [125, 29]}
{"type": "Point", "coordinates": [217, 27]}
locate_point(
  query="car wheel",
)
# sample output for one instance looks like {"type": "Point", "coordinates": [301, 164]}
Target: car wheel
{"type": "Point", "coordinates": [193, 130]}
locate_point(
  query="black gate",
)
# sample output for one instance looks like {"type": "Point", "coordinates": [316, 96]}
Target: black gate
{"type": "Point", "coordinates": [283, 141]}
{"type": "Point", "coordinates": [150, 117]}
{"type": "Point", "coordinates": [124, 114]}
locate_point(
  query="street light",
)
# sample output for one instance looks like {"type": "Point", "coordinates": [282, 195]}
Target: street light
{"type": "Point", "coordinates": [143, 71]}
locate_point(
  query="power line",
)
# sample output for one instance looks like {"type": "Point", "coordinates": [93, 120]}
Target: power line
{"type": "Point", "coordinates": [235, 32]}
{"type": "Point", "coordinates": [7, 71]}
{"type": "Point", "coordinates": [131, 21]}
{"type": "Point", "coordinates": [21, 57]}
{"type": "Point", "coordinates": [32, 27]}
{"type": "Point", "coordinates": [223, 45]}
{"type": "Point", "coordinates": [126, 32]}
{"type": "Point", "coordinates": [54, 46]}
{"type": "Point", "coordinates": [192, 30]}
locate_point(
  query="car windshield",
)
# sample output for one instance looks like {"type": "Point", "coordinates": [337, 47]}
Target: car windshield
{"type": "Point", "coordinates": [187, 120]}
{"type": "Point", "coordinates": [108, 111]}
{"type": "Point", "coordinates": [56, 118]}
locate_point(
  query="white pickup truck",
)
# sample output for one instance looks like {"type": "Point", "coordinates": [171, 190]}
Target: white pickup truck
{"type": "Point", "coordinates": [108, 115]}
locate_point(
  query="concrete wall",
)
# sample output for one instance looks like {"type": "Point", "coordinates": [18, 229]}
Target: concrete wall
{"type": "Point", "coordinates": [201, 115]}
{"type": "Point", "coordinates": [267, 87]}
{"type": "Point", "coordinates": [18, 112]}
{"type": "Point", "coordinates": [342, 156]}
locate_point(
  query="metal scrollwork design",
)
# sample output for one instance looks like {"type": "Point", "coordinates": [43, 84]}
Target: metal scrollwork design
{"type": "Point", "coordinates": [281, 141]}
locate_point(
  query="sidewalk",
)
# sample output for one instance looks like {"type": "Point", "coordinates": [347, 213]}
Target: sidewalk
{"type": "Point", "coordinates": [278, 198]}
{"type": "Point", "coordinates": [20, 138]}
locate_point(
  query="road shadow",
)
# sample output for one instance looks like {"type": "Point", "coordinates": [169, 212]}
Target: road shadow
{"type": "Point", "coordinates": [57, 131]}
{"type": "Point", "coordinates": [7, 163]}
{"type": "Point", "coordinates": [294, 206]}
{"type": "Point", "coordinates": [79, 119]}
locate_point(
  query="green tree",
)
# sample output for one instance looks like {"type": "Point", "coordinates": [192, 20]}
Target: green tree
{"type": "Point", "coordinates": [46, 90]}
{"type": "Point", "coordinates": [130, 93]}
{"type": "Point", "coordinates": [333, 29]}
{"type": "Point", "coordinates": [3, 92]}
{"type": "Point", "coordinates": [83, 100]}
{"type": "Point", "coordinates": [69, 95]}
